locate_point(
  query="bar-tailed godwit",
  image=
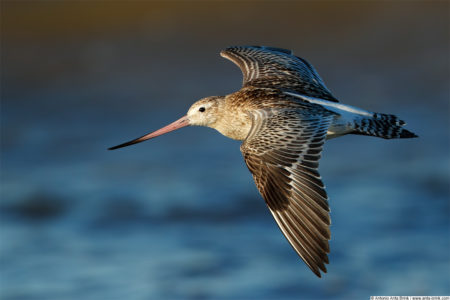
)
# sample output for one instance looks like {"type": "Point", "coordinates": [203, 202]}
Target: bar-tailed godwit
{"type": "Point", "coordinates": [283, 114]}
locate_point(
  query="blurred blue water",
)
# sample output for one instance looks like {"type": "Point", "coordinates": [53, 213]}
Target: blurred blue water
{"type": "Point", "coordinates": [179, 217]}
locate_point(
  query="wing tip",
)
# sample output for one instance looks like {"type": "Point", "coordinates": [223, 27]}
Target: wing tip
{"type": "Point", "coordinates": [274, 49]}
{"type": "Point", "coordinates": [318, 268]}
{"type": "Point", "coordinates": [224, 53]}
{"type": "Point", "coordinates": [318, 274]}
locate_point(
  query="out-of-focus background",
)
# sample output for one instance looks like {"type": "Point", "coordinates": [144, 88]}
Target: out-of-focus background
{"type": "Point", "coordinates": [179, 217]}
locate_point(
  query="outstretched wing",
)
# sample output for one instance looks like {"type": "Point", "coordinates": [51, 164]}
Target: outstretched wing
{"type": "Point", "coordinates": [269, 67]}
{"type": "Point", "coordinates": [282, 152]}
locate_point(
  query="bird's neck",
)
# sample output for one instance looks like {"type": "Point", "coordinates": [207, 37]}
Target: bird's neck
{"type": "Point", "coordinates": [233, 121]}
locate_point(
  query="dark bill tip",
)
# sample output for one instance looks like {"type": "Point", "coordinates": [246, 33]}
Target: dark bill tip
{"type": "Point", "coordinates": [182, 122]}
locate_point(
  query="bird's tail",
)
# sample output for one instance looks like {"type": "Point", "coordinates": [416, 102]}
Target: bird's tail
{"type": "Point", "coordinates": [383, 126]}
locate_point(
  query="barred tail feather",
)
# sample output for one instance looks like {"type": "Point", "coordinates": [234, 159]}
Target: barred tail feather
{"type": "Point", "coordinates": [382, 125]}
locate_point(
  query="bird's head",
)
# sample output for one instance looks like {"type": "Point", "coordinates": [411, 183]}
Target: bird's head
{"type": "Point", "coordinates": [204, 112]}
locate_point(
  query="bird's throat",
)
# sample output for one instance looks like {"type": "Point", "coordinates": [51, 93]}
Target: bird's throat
{"type": "Point", "coordinates": [235, 125]}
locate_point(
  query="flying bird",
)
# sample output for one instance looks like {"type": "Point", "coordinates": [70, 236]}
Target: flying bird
{"type": "Point", "coordinates": [283, 114]}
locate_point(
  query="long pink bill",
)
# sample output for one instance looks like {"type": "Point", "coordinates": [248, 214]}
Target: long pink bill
{"type": "Point", "coordinates": [182, 122]}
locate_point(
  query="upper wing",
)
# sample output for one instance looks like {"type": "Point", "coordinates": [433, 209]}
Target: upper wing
{"type": "Point", "coordinates": [282, 152]}
{"type": "Point", "coordinates": [268, 67]}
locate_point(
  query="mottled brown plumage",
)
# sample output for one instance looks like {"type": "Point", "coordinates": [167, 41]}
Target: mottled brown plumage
{"type": "Point", "coordinates": [283, 114]}
{"type": "Point", "coordinates": [268, 67]}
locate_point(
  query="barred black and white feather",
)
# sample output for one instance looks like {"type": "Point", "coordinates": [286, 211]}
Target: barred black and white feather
{"type": "Point", "coordinates": [385, 126]}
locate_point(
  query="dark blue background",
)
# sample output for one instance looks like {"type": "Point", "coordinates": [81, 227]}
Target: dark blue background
{"type": "Point", "coordinates": [179, 217]}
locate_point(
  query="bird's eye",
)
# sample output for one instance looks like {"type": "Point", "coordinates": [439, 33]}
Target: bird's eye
{"type": "Point", "coordinates": [201, 109]}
